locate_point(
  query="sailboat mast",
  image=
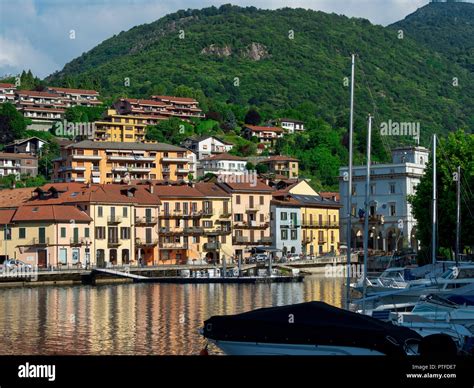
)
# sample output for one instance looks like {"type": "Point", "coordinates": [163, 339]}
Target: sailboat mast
{"type": "Point", "coordinates": [433, 232]}
{"type": "Point", "coordinates": [349, 188]}
{"type": "Point", "coordinates": [366, 215]}
{"type": "Point", "coordinates": [458, 213]}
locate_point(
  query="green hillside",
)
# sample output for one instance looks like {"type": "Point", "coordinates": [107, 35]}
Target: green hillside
{"type": "Point", "coordinates": [247, 57]}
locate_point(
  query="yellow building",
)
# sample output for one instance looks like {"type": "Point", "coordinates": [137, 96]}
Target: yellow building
{"type": "Point", "coordinates": [121, 128]}
{"type": "Point", "coordinates": [282, 165]}
{"type": "Point", "coordinates": [109, 162]}
{"type": "Point", "coordinates": [194, 226]}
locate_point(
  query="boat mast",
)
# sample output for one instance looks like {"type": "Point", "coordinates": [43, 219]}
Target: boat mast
{"type": "Point", "coordinates": [458, 212]}
{"type": "Point", "coordinates": [349, 188]}
{"type": "Point", "coordinates": [433, 232]}
{"type": "Point", "coordinates": [366, 215]}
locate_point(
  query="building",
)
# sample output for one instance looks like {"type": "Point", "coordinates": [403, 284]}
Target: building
{"type": "Point", "coordinates": [111, 162]}
{"type": "Point", "coordinates": [282, 165]}
{"type": "Point", "coordinates": [31, 145]}
{"type": "Point", "coordinates": [43, 108]}
{"type": "Point", "coordinates": [76, 97]}
{"type": "Point", "coordinates": [206, 146]}
{"type": "Point", "coordinates": [160, 108]}
{"type": "Point", "coordinates": [290, 125]}
{"type": "Point", "coordinates": [121, 128]}
{"type": "Point", "coordinates": [18, 164]}
{"type": "Point", "coordinates": [250, 216]}
{"type": "Point", "coordinates": [222, 164]}
{"type": "Point", "coordinates": [392, 224]}
{"type": "Point", "coordinates": [7, 93]}
{"type": "Point", "coordinates": [285, 225]}
{"type": "Point", "coordinates": [265, 135]}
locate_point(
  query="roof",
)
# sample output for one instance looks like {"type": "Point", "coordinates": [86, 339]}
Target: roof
{"type": "Point", "coordinates": [35, 93]}
{"type": "Point", "coordinates": [6, 216]}
{"type": "Point", "coordinates": [11, 155]}
{"type": "Point", "coordinates": [89, 144]}
{"type": "Point", "coordinates": [65, 213]}
{"type": "Point", "coordinates": [224, 156]}
{"type": "Point", "coordinates": [143, 102]}
{"type": "Point", "coordinates": [256, 128]}
{"type": "Point", "coordinates": [176, 99]}
{"type": "Point", "coordinates": [330, 195]}
{"type": "Point", "coordinates": [210, 189]}
{"type": "Point", "coordinates": [230, 186]}
{"type": "Point", "coordinates": [314, 201]}
{"type": "Point", "coordinates": [177, 191]}
{"type": "Point", "coordinates": [279, 158]}
{"type": "Point", "coordinates": [20, 141]}
{"type": "Point", "coordinates": [291, 120]}
{"type": "Point", "coordinates": [7, 86]}
{"type": "Point", "coordinates": [205, 137]}
{"type": "Point", "coordinates": [12, 198]}
{"type": "Point", "coordinates": [74, 91]}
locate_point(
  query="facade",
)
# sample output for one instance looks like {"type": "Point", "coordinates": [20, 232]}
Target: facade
{"type": "Point", "coordinates": [250, 216]}
{"type": "Point", "coordinates": [181, 107]}
{"type": "Point", "coordinates": [31, 146]}
{"type": "Point", "coordinates": [7, 93]}
{"type": "Point", "coordinates": [282, 165]}
{"type": "Point", "coordinates": [290, 125]}
{"type": "Point", "coordinates": [121, 128]}
{"type": "Point", "coordinates": [76, 97]}
{"type": "Point", "coordinates": [43, 108]}
{"type": "Point", "coordinates": [390, 185]}
{"type": "Point", "coordinates": [286, 226]}
{"type": "Point", "coordinates": [222, 164]}
{"type": "Point", "coordinates": [265, 135]}
{"type": "Point", "coordinates": [18, 164]}
{"type": "Point", "coordinates": [113, 162]}
{"type": "Point", "coordinates": [206, 146]}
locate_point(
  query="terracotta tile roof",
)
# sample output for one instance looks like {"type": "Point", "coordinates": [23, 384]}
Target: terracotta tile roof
{"type": "Point", "coordinates": [74, 91]}
{"type": "Point", "coordinates": [285, 202]}
{"type": "Point", "coordinates": [175, 99]}
{"type": "Point", "coordinates": [41, 109]}
{"type": "Point", "coordinates": [224, 156]}
{"type": "Point", "coordinates": [89, 144]}
{"type": "Point", "coordinates": [7, 86]}
{"type": "Point", "coordinates": [56, 213]}
{"type": "Point", "coordinates": [176, 191]}
{"type": "Point", "coordinates": [285, 119]}
{"type": "Point", "coordinates": [6, 216]}
{"type": "Point", "coordinates": [230, 186]}
{"type": "Point", "coordinates": [143, 102]}
{"type": "Point", "coordinates": [256, 128]}
{"type": "Point", "coordinates": [279, 158]}
{"type": "Point", "coordinates": [34, 93]}
{"type": "Point", "coordinates": [330, 195]}
{"type": "Point", "coordinates": [210, 189]}
{"type": "Point", "coordinates": [12, 198]}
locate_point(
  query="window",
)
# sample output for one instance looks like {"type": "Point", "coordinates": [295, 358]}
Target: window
{"type": "Point", "coordinates": [100, 211]}
{"type": "Point", "coordinates": [293, 235]}
{"type": "Point", "coordinates": [22, 233]}
{"type": "Point", "coordinates": [238, 217]}
{"type": "Point", "coordinates": [262, 218]}
{"type": "Point", "coordinates": [125, 233]}
{"type": "Point", "coordinates": [237, 199]}
{"type": "Point", "coordinates": [125, 212]}
{"type": "Point", "coordinates": [284, 216]}
{"type": "Point", "coordinates": [393, 210]}
{"type": "Point", "coordinates": [100, 232]}
{"type": "Point", "coordinates": [63, 256]}
{"type": "Point", "coordinates": [63, 232]}
{"type": "Point", "coordinates": [332, 236]}
{"type": "Point", "coordinates": [86, 232]}
{"type": "Point", "coordinates": [354, 189]}
{"type": "Point", "coordinates": [321, 236]}
{"type": "Point", "coordinates": [392, 188]}
{"type": "Point", "coordinates": [75, 255]}
{"type": "Point", "coordinates": [284, 234]}
{"type": "Point", "coordinates": [372, 189]}
{"type": "Point", "coordinates": [125, 256]}
{"type": "Point", "coordinates": [262, 200]}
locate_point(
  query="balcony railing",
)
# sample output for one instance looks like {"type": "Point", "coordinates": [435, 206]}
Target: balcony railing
{"type": "Point", "coordinates": [39, 241]}
{"type": "Point", "coordinates": [193, 230]}
{"type": "Point", "coordinates": [77, 241]}
{"type": "Point", "coordinates": [173, 246]}
{"type": "Point", "coordinates": [218, 232]}
{"type": "Point", "coordinates": [251, 208]}
{"type": "Point", "coordinates": [114, 219]}
{"type": "Point", "coordinates": [113, 242]}
{"type": "Point", "coordinates": [146, 242]}
{"type": "Point", "coordinates": [320, 225]}
{"type": "Point", "coordinates": [252, 225]}
{"type": "Point", "coordinates": [146, 220]}
{"type": "Point", "coordinates": [212, 246]}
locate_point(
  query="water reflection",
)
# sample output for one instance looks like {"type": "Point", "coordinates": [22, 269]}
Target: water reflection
{"type": "Point", "coordinates": [136, 318]}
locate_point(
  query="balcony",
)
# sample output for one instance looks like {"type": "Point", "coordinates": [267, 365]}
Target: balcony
{"type": "Point", "coordinates": [86, 157]}
{"type": "Point", "coordinates": [170, 159]}
{"type": "Point", "coordinates": [39, 241]}
{"type": "Point", "coordinates": [77, 241]}
{"type": "Point", "coordinates": [218, 232]}
{"type": "Point", "coordinates": [139, 169]}
{"type": "Point", "coordinates": [113, 242]}
{"type": "Point", "coordinates": [131, 158]}
{"type": "Point", "coordinates": [182, 171]}
{"type": "Point", "coordinates": [252, 208]}
{"type": "Point", "coordinates": [252, 225]}
{"type": "Point", "coordinates": [193, 230]}
{"type": "Point", "coordinates": [119, 169]}
{"type": "Point", "coordinates": [146, 242]}
{"type": "Point", "coordinates": [225, 215]}
{"type": "Point", "coordinates": [307, 240]}
{"type": "Point", "coordinates": [240, 240]}
{"type": "Point", "coordinates": [114, 219]}
{"type": "Point", "coordinates": [174, 246]}
{"type": "Point", "coordinates": [320, 225]}
{"type": "Point", "coordinates": [207, 212]}
{"type": "Point", "coordinates": [266, 240]}
{"type": "Point", "coordinates": [212, 246]}
{"type": "Point", "coordinates": [146, 220]}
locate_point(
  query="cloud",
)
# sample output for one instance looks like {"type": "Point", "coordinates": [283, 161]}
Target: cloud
{"type": "Point", "coordinates": [36, 33]}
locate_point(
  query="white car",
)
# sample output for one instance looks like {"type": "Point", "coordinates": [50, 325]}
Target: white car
{"type": "Point", "coordinates": [292, 257]}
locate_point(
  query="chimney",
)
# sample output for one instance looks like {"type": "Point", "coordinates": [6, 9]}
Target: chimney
{"type": "Point", "coordinates": [151, 188]}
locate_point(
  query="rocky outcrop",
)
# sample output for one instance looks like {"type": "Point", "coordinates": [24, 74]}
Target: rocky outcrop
{"type": "Point", "coordinates": [256, 52]}
{"type": "Point", "coordinates": [213, 49]}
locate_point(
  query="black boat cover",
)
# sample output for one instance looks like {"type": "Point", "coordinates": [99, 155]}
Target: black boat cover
{"type": "Point", "coordinates": [311, 323]}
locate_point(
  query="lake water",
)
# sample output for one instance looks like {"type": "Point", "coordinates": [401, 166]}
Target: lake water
{"type": "Point", "coordinates": [133, 319]}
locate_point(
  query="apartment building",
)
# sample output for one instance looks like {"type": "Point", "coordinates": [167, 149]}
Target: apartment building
{"type": "Point", "coordinates": [43, 108]}
{"type": "Point", "coordinates": [31, 145]}
{"type": "Point", "coordinates": [112, 162]}
{"type": "Point", "coordinates": [75, 97]}
{"type": "Point", "coordinates": [194, 224]}
{"type": "Point", "coordinates": [206, 146]}
{"type": "Point", "coordinates": [290, 125]}
{"type": "Point", "coordinates": [121, 128]}
{"type": "Point", "coordinates": [285, 214]}
{"type": "Point", "coordinates": [282, 165]}
{"type": "Point", "coordinates": [250, 216]}
{"type": "Point", "coordinates": [182, 107]}
{"type": "Point", "coordinates": [222, 164]}
{"type": "Point", "coordinates": [266, 136]}
{"type": "Point", "coordinates": [18, 164]}
{"type": "Point", "coordinates": [7, 92]}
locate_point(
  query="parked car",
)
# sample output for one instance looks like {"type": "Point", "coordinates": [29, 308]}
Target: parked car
{"type": "Point", "coordinates": [259, 258]}
{"type": "Point", "coordinates": [11, 264]}
{"type": "Point", "coordinates": [292, 257]}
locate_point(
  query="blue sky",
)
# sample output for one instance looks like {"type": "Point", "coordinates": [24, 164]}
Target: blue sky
{"type": "Point", "coordinates": [35, 34]}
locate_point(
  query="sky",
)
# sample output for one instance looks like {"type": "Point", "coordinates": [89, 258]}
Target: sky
{"type": "Point", "coordinates": [37, 34]}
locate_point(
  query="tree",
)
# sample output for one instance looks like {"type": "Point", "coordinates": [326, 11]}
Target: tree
{"type": "Point", "coordinates": [261, 168]}
{"type": "Point", "coordinates": [12, 123]}
{"type": "Point", "coordinates": [252, 117]}
{"type": "Point", "coordinates": [250, 166]}
{"type": "Point", "coordinates": [229, 122]}
{"type": "Point", "coordinates": [453, 151]}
